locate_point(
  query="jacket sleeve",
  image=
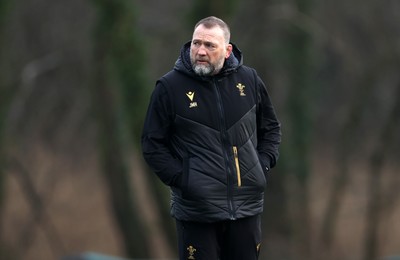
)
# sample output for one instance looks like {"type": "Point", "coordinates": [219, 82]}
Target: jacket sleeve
{"type": "Point", "coordinates": [155, 137]}
{"type": "Point", "coordinates": [268, 128]}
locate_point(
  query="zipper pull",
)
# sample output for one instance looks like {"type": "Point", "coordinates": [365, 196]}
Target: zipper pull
{"type": "Point", "coordinates": [236, 156]}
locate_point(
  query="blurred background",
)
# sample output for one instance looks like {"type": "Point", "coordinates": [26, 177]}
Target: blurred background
{"type": "Point", "coordinates": [75, 80]}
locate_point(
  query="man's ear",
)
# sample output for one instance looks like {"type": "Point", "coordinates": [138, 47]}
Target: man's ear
{"type": "Point", "coordinates": [228, 50]}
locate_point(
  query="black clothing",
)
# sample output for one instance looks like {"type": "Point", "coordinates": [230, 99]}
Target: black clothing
{"type": "Point", "coordinates": [212, 139]}
{"type": "Point", "coordinates": [224, 240]}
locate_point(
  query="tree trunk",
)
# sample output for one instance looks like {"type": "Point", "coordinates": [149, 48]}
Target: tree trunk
{"type": "Point", "coordinates": [344, 150]}
{"type": "Point", "coordinates": [4, 103]}
{"type": "Point", "coordinates": [113, 132]}
{"type": "Point", "coordinates": [300, 95]}
{"type": "Point", "coordinates": [375, 189]}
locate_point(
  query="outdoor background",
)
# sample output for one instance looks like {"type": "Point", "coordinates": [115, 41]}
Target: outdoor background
{"type": "Point", "coordinates": [75, 80]}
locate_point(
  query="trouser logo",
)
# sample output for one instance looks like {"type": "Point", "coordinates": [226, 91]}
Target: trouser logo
{"type": "Point", "coordinates": [191, 251]}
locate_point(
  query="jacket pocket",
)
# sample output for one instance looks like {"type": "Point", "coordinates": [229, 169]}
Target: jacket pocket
{"type": "Point", "coordinates": [237, 165]}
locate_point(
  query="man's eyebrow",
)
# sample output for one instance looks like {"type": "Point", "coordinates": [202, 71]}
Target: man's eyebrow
{"type": "Point", "coordinates": [204, 42]}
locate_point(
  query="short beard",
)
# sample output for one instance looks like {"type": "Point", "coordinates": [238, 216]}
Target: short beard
{"type": "Point", "coordinates": [203, 70]}
{"type": "Point", "coordinates": [207, 70]}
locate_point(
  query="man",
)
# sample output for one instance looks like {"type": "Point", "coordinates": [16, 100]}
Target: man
{"type": "Point", "coordinates": [212, 135]}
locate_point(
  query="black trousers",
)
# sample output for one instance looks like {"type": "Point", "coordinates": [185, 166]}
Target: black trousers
{"type": "Point", "coordinates": [226, 240]}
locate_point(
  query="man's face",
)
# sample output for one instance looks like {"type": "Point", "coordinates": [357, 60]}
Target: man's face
{"type": "Point", "coordinates": [208, 50]}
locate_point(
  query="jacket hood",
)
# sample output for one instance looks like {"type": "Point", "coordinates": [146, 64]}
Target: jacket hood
{"type": "Point", "coordinates": [184, 65]}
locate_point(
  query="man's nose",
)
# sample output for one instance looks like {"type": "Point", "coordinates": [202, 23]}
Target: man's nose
{"type": "Point", "coordinates": [202, 51]}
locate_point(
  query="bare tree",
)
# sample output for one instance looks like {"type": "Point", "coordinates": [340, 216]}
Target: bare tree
{"type": "Point", "coordinates": [375, 189]}
{"type": "Point", "coordinates": [365, 76]}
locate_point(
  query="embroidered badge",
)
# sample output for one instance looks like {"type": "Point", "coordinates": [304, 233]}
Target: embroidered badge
{"type": "Point", "coordinates": [191, 251]}
{"type": "Point", "coordinates": [241, 87]}
{"type": "Point", "coordinates": [192, 103]}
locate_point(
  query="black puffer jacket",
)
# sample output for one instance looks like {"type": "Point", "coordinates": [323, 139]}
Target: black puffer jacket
{"type": "Point", "coordinates": [212, 139]}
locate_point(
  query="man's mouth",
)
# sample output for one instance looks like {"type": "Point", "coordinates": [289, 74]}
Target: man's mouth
{"type": "Point", "coordinates": [201, 62]}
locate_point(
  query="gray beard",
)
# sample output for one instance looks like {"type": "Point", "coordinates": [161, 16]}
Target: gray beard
{"type": "Point", "coordinates": [207, 70]}
{"type": "Point", "coordinates": [203, 70]}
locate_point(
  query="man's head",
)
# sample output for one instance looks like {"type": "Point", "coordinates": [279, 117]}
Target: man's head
{"type": "Point", "coordinates": [210, 46]}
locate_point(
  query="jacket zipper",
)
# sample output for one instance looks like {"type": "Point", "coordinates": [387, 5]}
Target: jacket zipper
{"type": "Point", "coordinates": [235, 154]}
{"type": "Point", "coordinates": [224, 140]}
